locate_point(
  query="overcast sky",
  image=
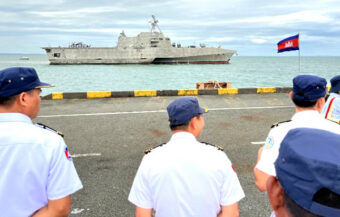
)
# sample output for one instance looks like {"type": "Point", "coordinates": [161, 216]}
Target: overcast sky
{"type": "Point", "coordinates": [252, 27]}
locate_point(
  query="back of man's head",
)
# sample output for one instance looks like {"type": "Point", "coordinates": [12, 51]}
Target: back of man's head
{"type": "Point", "coordinates": [335, 84]}
{"type": "Point", "coordinates": [307, 89]}
{"type": "Point", "coordinates": [308, 168]}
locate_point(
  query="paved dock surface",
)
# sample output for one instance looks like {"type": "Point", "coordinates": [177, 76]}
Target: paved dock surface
{"type": "Point", "coordinates": [107, 138]}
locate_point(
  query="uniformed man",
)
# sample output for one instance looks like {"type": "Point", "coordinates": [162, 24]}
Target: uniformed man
{"type": "Point", "coordinates": [184, 177]}
{"type": "Point", "coordinates": [331, 110]}
{"type": "Point", "coordinates": [308, 95]}
{"type": "Point", "coordinates": [37, 172]}
{"type": "Point", "coordinates": [308, 181]}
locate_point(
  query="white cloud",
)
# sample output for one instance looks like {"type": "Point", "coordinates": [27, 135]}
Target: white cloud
{"type": "Point", "coordinates": [286, 19]}
{"type": "Point", "coordinates": [31, 2]}
{"type": "Point", "coordinates": [183, 38]}
{"type": "Point", "coordinates": [259, 41]}
{"type": "Point", "coordinates": [221, 39]}
{"type": "Point", "coordinates": [237, 23]}
{"type": "Point", "coordinates": [78, 12]}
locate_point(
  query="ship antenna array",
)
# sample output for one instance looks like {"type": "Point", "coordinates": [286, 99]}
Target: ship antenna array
{"type": "Point", "coordinates": [154, 24]}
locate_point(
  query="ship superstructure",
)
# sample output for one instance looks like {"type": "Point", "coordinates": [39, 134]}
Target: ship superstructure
{"type": "Point", "coordinates": [146, 48]}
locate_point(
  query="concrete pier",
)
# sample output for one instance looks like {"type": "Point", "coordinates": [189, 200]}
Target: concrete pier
{"type": "Point", "coordinates": [107, 138]}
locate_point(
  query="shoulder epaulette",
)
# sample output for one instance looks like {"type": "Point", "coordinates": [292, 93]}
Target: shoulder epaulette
{"type": "Point", "coordinates": [50, 129]}
{"type": "Point", "coordinates": [333, 120]}
{"type": "Point", "coordinates": [278, 123]}
{"type": "Point", "coordinates": [216, 146]}
{"type": "Point", "coordinates": [148, 150]}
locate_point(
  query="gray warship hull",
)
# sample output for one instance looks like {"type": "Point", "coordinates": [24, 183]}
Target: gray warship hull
{"type": "Point", "coordinates": [146, 48]}
{"type": "Point", "coordinates": [62, 56]}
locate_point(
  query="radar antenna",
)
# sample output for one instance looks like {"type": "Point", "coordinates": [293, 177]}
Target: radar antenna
{"type": "Point", "coordinates": [154, 24]}
{"type": "Point", "coordinates": [122, 34]}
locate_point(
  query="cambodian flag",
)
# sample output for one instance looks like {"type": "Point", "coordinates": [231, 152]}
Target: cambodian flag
{"type": "Point", "coordinates": [67, 154]}
{"type": "Point", "coordinates": [288, 44]}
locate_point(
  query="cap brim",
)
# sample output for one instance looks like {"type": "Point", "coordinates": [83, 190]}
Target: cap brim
{"type": "Point", "coordinates": [44, 85]}
{"type": "Point", "coordinates": [203, 110]}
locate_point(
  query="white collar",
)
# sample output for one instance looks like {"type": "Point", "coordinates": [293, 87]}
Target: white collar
{"type": "Point", "coordinates": [182, 135]}
{"type": "Point", "coordinates": [306, 114]}
{"type": "Point", "coordinates": [14, 117]}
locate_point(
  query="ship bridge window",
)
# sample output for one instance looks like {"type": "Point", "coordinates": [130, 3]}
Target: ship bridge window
{"type": "Point", "coordinates": [48, 50]}
{"type": "Point", "coordinates": [160, 38]}
{"type": "Point", "coordinates": [56, 54]}
{"type": "Point", "coordinates": [168, 39]}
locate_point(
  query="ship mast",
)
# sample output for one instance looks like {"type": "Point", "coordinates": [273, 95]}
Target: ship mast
{"type": "Point", "coordinates": [154, 25]}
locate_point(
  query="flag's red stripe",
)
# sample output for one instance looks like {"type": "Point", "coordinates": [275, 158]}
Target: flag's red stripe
{"type": "Point", "coordinates": [329, 106]}
{"type": "Point", "coordinates": [294, 42]}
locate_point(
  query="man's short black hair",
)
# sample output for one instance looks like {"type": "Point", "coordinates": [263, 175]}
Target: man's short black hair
{"type": "Point", "coordinates": [179, 127]}
{"type": "Point", "coordinates": [183, 126]}
{"type": "Point", "coordinates": [327, 198]}
{"type": "Point", "coordinates": [324, 196]}
{"type": "Point", "coordinates": [7, 101]}
{"type": "Point", "coordinates": [304, 103]}
{"type": "Point", "coordinates": [297, 211]}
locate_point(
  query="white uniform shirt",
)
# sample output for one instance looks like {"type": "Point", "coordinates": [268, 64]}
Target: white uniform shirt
{"type": "Point", "coordinates": [331, 109]}
{"type": "Point", "coordinates": [34, 167]}
{"type": "Point", "coordinates": [304, 119]}
{"type": "Point", "coordinates": [185, 178]}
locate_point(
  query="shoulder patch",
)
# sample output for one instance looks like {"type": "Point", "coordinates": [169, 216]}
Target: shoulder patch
{"type": "Point", "coordinates": [216, 146]}
{"type": "Point", "coordinates": [269, 143]}
{"type": "Point", "coordinates": [148, 150]}
{"type": "Point", "coordinates": [50, 129]}
{"type": "Point", "coordinates": [278, 123]}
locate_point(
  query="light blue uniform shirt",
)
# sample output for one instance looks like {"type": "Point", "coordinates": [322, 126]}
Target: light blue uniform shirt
{"type": "Point", "coordinates": [34, 167]}
{"type": "Point", "coordinates": [185, 178]}
{"type": "Point", "coordinates": [331, 108]}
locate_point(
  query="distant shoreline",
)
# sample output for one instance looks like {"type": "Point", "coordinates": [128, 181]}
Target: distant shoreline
{"type": "Point", "coordinates": [22, 54]}
{"type": "Point", "coordinates": [43, 54]}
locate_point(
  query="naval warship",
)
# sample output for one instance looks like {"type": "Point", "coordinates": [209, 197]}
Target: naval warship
{"type": "Point", "coordinates": [146, 48]}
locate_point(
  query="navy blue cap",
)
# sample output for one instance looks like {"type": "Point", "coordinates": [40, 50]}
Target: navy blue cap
{"type": "Point", "coordinates": [335, 84]}
{"type": "Point", "coordinates": [308, 161]}
{"type": "Point", "coordinates": [181, 110]}
{"type": "Point", "coordinates": [308, 87]}
{"type": "Point", "coordinates": [16, 80]}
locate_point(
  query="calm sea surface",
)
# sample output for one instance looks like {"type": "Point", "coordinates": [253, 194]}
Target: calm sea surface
{"type": "Point", "coordinates": [241, 72]}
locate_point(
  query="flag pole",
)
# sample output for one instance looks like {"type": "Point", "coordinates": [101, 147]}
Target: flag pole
{"type": "Point", "coordinates": [299, 62]}
{"type": "Point", "coordinates": [299, 53]}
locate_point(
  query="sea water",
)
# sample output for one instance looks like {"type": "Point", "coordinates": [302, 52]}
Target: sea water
{"type": "Point", "coordinates": [241, 72]}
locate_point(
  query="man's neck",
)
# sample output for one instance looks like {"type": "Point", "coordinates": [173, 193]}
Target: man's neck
{"type": "Point", "coordinates": [182, 131]}
{"type": "Point", "coordinates": [301, 109]}
{"type": "Point", "coordinates": [4, 109]}
{"type": "Point", "coordinates": [11, 109]}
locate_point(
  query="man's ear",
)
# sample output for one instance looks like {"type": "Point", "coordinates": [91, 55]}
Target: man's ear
{"type": "Point", "coordinates": [320, 103]}
{"type": "Point", "coordinates": [276, 196]}
{"type": "Point", "coordinates": [291, 95]}
{"type": "Point", "coordinates": [22, 99]}
{"type": "Point", "coordinates": [193, 123]}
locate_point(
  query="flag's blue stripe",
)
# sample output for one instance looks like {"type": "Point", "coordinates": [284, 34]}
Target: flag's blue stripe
{"type": "Point", "coordinates": [288, 49]}
{"type": "Point", "coordinates": [288, 39]}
